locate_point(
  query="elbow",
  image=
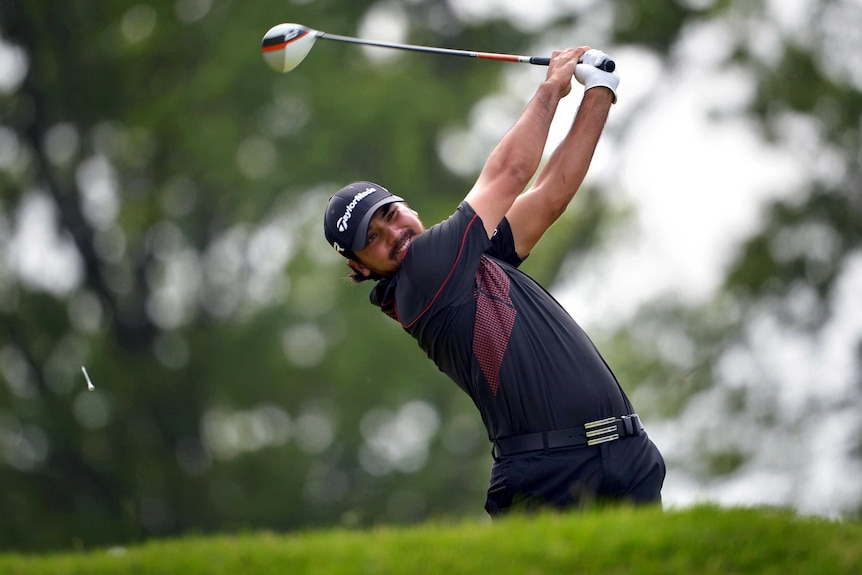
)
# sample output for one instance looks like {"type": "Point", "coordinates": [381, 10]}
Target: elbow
{"type": "Point", "coordinates": [507, 175]}
{"type": "Point", "coordinates": [519, 172]}
{"type": "Point", "coordinates": [551, 201]}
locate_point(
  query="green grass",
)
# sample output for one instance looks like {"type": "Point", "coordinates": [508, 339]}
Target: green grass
{"type": "Point", "coordinates": [697, 540]}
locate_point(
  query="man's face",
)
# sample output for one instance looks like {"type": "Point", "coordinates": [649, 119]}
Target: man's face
{"type": "Point", "coordinates": [390, 233]}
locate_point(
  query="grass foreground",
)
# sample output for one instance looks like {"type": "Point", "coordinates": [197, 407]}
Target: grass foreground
{"type": "Point", "coordinates": [702, 539]}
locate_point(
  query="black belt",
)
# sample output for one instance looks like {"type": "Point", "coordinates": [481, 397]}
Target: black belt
{"type": "Point", "coordinates": [592, 433]}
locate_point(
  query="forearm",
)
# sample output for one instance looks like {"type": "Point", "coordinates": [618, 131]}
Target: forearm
{"type": "Point", "coordinates": [515, 159]}
{"type": "Point", "coordinates": [521, 148]}
{"type": "Point", "coordinates": [567, 167]}
{"type": "Point", "coordinates": [536, 210]}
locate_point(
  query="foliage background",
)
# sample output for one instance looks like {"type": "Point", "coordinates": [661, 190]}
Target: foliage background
{"type": "Point", "coordinates": [160, 197]}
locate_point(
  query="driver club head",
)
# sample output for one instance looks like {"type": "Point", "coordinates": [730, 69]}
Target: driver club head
{"type": "Point", "coordinates": [284, 46]}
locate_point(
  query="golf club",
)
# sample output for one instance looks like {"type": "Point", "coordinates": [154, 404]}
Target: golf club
{"type": "Point", "coordinates": [286, 45]}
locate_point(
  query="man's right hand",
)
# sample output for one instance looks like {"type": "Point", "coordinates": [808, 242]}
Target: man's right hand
{"type": "Point", "coordinates": [562, 67]}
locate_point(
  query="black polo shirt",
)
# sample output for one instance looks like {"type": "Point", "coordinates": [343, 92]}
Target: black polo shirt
{"type": "Point", "coordinates": [497, 333]}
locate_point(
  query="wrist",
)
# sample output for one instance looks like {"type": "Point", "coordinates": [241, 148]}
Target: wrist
{"type": "Point", "coordinates": [600, 95]}
{"type": "Point", "coordinates": [555, 90]}
{"type": "Point", "coordinates": [593, 78]}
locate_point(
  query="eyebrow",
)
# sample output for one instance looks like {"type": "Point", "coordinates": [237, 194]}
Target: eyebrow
{"type": "Point", "coordinates": [379, 214]}
{"type": "Point", "coordinates": [383, 211]}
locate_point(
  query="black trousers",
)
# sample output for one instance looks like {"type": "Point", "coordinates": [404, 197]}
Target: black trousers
{"type": "Point", "coordinates": [629, 470]}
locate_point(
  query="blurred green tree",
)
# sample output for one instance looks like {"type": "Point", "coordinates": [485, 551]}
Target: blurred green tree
{"type": "Point", "coordinates": [160, 198]}
{"type": "Point", "coordinates": [161, 195]}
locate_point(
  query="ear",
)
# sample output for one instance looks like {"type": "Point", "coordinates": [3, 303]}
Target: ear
{"type": "Point", "coordinates": [358, 268]}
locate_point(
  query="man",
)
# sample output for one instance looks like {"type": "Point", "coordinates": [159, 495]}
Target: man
{"type": "Point", "coordinates": [564, 434]}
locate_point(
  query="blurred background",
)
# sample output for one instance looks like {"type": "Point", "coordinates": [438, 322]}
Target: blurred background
{"type": "Point", "coordinates": [161, 196]}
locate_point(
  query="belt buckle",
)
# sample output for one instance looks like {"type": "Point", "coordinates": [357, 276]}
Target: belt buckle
{"type": "Point", "coordinates": [601, 431]}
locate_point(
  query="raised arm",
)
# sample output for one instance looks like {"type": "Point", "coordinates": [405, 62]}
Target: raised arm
{"type": "Point", "coordinates": [533, 212]}
{"type": "Point", "coordinates": [515, 159]}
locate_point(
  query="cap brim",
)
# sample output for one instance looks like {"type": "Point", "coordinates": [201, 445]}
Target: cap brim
{"type": "Point", "coordinates": [359, 238]}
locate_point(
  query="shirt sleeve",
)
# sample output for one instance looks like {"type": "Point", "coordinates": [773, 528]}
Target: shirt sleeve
{"type": "Point", "coordinates": [503, 245]}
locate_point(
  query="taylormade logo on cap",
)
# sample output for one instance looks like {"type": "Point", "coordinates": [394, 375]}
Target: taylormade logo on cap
{"type": "Point", "coordinates": [342, 222]}
{"type": "Point", "coordinates": [349, 212]}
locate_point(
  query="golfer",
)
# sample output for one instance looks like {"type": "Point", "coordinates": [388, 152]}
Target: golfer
{"type": "Point", "coordinates": [563, 432]}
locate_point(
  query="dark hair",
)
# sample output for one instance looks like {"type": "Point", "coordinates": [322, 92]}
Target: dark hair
{"type": "Point", "coordinates": [358, 277]}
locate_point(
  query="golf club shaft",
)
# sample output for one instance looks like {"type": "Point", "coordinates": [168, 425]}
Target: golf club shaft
{"type": "Point", "coordinates": [607, 65]}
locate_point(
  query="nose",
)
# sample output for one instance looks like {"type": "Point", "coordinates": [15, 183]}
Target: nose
{"type": "Point", "coordinates": [390, 234]}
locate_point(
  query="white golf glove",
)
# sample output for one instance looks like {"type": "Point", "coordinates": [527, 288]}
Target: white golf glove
{"type": "Point", "coordinates": [590, 76]}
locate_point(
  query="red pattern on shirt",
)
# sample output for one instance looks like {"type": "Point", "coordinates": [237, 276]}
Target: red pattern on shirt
{"type": "Point", "coordinates": [495, 317]}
